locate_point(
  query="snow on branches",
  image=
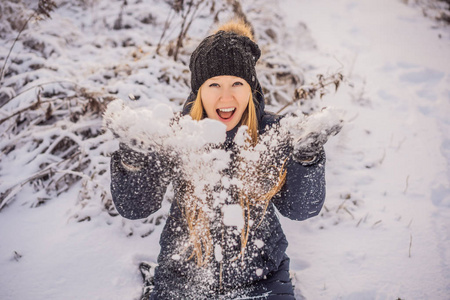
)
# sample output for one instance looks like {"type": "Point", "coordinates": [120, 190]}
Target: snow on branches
{"type": "Point", "coordinates": [60, 74]}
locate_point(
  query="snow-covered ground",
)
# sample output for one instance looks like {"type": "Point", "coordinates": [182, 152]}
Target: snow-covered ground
{"type": "Point", "coordinates": [384, 231]}
{"type": "Point", "coordinates": [393, 159]}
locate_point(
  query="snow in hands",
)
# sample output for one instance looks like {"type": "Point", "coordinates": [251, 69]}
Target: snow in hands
{"type": "Point", "coordinates": [157, 128]}
{"type": "Point", "coordinates": [193, 146]}
{"type": "Point", "coordinates": [197, 147]}
{"type": "Point", "coordinates": [310, 133]}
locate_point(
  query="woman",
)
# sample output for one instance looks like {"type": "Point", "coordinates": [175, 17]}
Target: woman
{"type": "Point", "coordinates": [204, 255]}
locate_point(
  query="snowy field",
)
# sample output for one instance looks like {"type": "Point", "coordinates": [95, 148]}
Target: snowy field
{"type": "Point", "coordinates": [384, 231]}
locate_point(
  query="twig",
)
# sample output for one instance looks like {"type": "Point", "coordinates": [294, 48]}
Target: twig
{"type": "Point", "coordinates": [400, 144]}
{"type": "Point", "coordinates": [34, 105]}
{"type": "Point", "coordinates": [14, 43]}
{"type": "Point", "coordinates": [38, 86]}
{"type": "Point", "coordinates": [192, 19]}
{"type": "Point", "coordinates": [410, 244]}
{"type": "Point", "coordinates": [353, 217]}
{"type": "Point", "coordinates": [410, 222]}
{"type": "Point", "coordinates": [376, 223]}
{"type": "Point", "coordinates": [9, 193]}
{"type": "Point", "coordinates": [78, 174]}
{"type": "Point", "coordinates": [166, 26]}
{"type": "Point", "coordinates": [342, 205]}
{"type": "Point", "coordinates": [184, 29]}
{"type": "Point", "coordinates": [180, 35]}
{"type": "Point", "coordinates": [407, 183]}
{"type": "Point", "coordinates": [17, 256]}
{"type": "Point", "coordinates": [365, 218]}
{"type": "Point", "coordinates": [309, 91]}
{"type": "Point", "coordinates": [44, 8]}
{"type": "Point", "coordinates": [383, 157]}
{"type": "Point", "coordinates": [359, 222]}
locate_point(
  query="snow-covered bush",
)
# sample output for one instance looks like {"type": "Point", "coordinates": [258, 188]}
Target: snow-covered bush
{"type": "Point", "coordinates": [63, 71]}
{"type": "Point", "coordinates": [435, 9]}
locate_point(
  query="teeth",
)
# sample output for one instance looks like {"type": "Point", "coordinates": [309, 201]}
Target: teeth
{"type": "Point", "coordinates": [226, 109]}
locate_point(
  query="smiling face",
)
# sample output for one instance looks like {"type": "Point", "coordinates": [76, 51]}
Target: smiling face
{"type": "Point", "coordinates": [225, 98]}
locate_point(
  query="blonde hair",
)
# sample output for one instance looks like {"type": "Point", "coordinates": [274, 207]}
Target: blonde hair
{"type": "Point", "coordinates": [249, 198]}
{"type": "Point", "coordinates": [198, 222]}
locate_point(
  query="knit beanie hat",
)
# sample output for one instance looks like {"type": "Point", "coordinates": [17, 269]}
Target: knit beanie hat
{"type": "Point", "coordinates": [227, 52]}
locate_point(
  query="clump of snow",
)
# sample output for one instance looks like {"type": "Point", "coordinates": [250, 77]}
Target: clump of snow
{"type": "Point", "coordinates": [233, 216]}
{"type": "Point", "coordinates": [198, 134]}
{"type": "Point", "coordinates": [142, 128]}
{"type": "Point", "coordinates": [242, 137]}
{"type": "Point", "coordinates": [218, 255]}
{"type": "Point", "coordinates": [154, 128]}
{"type": "Point", "coordinates": [307, 129]}
{"type": "Point", "coordinates": [259, 243]}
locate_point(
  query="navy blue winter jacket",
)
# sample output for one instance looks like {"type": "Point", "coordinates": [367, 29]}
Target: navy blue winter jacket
{"type": "Point", "coordinates": [137, 194]}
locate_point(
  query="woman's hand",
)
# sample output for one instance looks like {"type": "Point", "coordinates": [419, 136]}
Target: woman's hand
{"type": "Point", "coordinates": [309, 133]}
{"type": "Point", "coordinates": [132, 160]}
{"type": "Point", "coordinates": [309, 149]}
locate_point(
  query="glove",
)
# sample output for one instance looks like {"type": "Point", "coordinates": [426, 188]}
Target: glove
{"type": "Point", "coordinates": [132, 160]}
{"type": "Point", "coordinates": [309, 149]}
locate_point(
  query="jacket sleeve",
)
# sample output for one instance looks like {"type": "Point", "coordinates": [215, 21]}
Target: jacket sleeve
{"type": "Point", "coordinates": [138, 193]}
{"type": "Point", "coordinates": [303, 193]}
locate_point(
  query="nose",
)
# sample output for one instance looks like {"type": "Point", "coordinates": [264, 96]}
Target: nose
{"type": "Point", "coordinates": [226, 94]}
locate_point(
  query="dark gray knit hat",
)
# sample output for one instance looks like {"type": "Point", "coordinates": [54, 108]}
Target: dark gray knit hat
{"type": "Point", "coordinates": [224, 53]}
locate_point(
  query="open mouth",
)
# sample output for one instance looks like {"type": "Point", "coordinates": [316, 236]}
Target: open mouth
{"type": "Point", "coordinates": [226, 113]}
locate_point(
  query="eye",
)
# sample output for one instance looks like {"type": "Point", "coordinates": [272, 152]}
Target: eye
{"type": "Point", "coordinates": [214, 85]}
{"type": "Point", "coordinates": [238, 83]}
